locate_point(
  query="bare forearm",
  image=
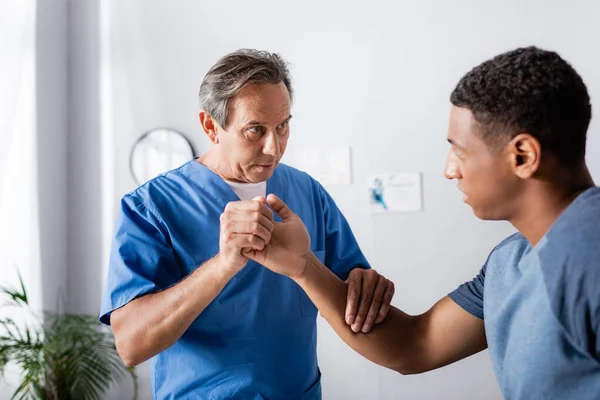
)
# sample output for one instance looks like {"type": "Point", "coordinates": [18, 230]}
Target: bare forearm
{"type": "Point", "coordinates": [407, 344]}
{"type": "Point", "coordinates": [392, 343]}
{"type": "Point", "coordinates": [152, 323]}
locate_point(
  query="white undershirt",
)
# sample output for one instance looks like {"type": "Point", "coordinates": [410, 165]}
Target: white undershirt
{"type": "Point", "coordinates": [248, 191]}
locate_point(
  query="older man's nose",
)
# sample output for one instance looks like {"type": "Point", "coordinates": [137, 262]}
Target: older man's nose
{"type": "Point", "coordinates": [271, 146]}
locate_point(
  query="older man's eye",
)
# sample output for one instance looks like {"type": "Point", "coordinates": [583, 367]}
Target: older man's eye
{"type": "Point", "coordinates": [254, 129]}
{"type": "Point", "coordinates": [254, 132]}
{"type": "Point", "coordinates": [282, 128]}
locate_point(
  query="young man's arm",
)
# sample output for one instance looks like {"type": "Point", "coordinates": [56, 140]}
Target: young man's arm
{"type": "Point", "coordinates": [407, 344]}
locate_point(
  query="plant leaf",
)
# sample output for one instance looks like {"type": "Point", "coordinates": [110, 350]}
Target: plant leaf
{"type": "Point", "coordinates": [62, 356]}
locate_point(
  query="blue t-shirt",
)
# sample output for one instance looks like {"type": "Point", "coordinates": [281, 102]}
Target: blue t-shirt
{"type": "Point", "coordinates": [541, 307]}
{"type": "Point", "coordinates": [257, 339]}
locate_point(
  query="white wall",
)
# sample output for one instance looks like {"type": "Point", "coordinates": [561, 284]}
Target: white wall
{"type": "Point", "coordinates": [372, 75]}
{"type": "Point", "coordinates": [85, 176]}
{"type": "Point", "coordinates": [33, 211]}
{"type": "Point", "coordinates": [52, 109]}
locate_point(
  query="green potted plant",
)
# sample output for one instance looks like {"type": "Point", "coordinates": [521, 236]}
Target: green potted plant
{"type": "Point", "coordinates": [60, 356]}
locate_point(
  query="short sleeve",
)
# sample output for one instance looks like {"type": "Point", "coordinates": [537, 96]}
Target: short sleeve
{"type": "Point", "coordinates": [141, 258]}
{"type": "Point", "coordinates": [469, 295]}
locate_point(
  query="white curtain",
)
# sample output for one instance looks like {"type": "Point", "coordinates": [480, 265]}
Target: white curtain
{"type": "Point", "coordinates": [19, 226]}
{"type": "Point", "coordinates": [19, 230]}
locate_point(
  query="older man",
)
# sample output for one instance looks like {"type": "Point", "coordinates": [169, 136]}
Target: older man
{"type": "Point", "coordinates": [179, 290]}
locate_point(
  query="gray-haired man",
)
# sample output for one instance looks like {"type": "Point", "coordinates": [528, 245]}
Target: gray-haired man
{"type": "Point", "coordinates": [179, 289]}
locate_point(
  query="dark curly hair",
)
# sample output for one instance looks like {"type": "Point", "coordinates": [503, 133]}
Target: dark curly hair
{"type": "Point", "coordinates": [528, 90]}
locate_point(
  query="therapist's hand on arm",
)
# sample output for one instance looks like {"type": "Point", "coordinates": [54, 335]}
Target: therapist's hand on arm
{"type": "Point", "coordinates": [369, 294]}
{"type": "Point", "coordinates": [407, 344]}
{"type": "Point", "coordinates": [152, 323]}
{"type": "Point", "coordinates": [368, 300]}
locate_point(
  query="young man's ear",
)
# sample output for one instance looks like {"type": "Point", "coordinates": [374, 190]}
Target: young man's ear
{"type": "Point", "coordinates": [525, 151]}
{"type": "Point", "coordinates": [209, 125]}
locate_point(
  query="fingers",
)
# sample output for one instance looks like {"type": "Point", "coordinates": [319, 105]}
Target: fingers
{"type": "Point", "coordinates": [249, 252]}
{"type": "Point", "coordinates": [257, 255]}
{"type": "Point", "coordinates": [249, 227]}
{"type": "Point", "coordinates": [369, 282]}
{"type": "Point", "coordinates": [249, 218]}
{"type": "Point", "coordinates": [387, 300]}
{"type": "Point", "coordinates": [249, 206]}
{"type": "Point", "coordinates": [245, 241]}
{"type": "Point", "coordinates": [280, 207]}
{"type": "Point", "coordinates": [354, 282]}
{"type": "Point", "coordinates": [246, 226]}
{"type": "Point", "coordinates": [376, 304]}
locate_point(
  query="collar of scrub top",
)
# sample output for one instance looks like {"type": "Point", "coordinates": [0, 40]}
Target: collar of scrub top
{"type": "Point", "coordinates": [217, 188]}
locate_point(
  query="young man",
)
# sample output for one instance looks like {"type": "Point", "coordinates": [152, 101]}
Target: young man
{"type": "Point", "coordinates": [518, 132]}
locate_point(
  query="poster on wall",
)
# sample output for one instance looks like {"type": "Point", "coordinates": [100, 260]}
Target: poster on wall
{"type": "Point", "coordinates": [399, 192]}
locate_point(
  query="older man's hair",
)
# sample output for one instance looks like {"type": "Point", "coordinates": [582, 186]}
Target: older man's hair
{"type": "Point", "coordinates": [234, 71]}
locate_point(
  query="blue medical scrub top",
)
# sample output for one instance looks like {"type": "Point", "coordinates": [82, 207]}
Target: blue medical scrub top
{"type": "Point", "coordinates": [257, 339]}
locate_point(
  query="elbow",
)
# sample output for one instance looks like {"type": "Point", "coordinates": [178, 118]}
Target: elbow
{"type": "Point", "coordinates": [413, 365]}
{"type": "Point", "coordinates": [125, 344]}
{"type": "Point", "coordinates": [407, 370]}
{"type": "Point", "coordinates": [129, 362]}
{"type": "Point", "coordinates": [401, 370]}
{"type": "Point", "coordinates": [417, 360]}
{"type": "Point", "coordinates": [127, 353]}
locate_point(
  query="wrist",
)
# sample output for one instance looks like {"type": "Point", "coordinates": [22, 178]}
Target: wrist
{"type": "Point", "coordinates": [226, 268]}
{"type": "Point", "coordinates": [306, 263]}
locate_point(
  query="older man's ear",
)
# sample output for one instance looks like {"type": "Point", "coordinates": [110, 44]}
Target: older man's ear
{"type": "Point", "coordinates": [209, 125]}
